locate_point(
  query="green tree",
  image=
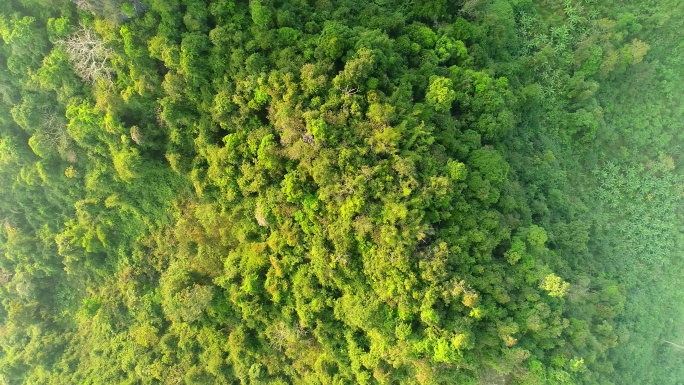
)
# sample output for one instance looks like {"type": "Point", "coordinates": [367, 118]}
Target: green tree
{"type": "Point", "coordinates": [440, 94]}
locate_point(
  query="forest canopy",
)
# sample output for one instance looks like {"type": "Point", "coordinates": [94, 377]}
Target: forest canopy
{"type": "Point", "coordinates": [341, 192]}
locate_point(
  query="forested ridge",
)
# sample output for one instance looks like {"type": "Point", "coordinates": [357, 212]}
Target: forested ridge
{"type": "Point", "coordinates": [341, 192]}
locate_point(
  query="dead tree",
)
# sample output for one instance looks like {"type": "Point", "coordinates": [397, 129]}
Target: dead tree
{"type": "Point", "coordinates": [89, 55]}
{"type": "Point", "coordinates": [111, 9]}
{"type": "Point", "coordinates": [137, 135]}
{"type": "Point", "coordinates": [54, 130]}
{"type": "Point", "coordinates": [84, 5]}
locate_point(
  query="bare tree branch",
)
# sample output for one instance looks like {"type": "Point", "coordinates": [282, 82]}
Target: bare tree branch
{"type": "Point", "coordinates": [349, 91]}
{"type": "Point", "coordinates": [673, 344]}
{"type": "Point", "coordinates": [54, 129]}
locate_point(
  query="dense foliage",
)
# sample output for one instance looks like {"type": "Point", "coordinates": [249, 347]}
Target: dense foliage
{"type": "Point", "coordinates": [392, 192]}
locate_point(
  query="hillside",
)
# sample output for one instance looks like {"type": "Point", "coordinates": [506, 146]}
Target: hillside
{"type": "Point", "coordinates": [319, 192]}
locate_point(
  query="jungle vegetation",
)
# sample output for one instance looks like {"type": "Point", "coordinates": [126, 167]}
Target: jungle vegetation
{"type": "Point", "coordinates": [341, 192]}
